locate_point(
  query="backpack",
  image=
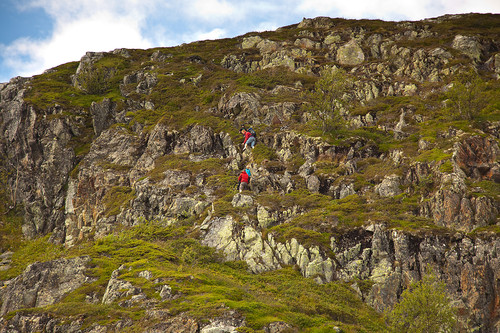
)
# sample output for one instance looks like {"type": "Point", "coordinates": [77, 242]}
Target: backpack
{"type": "Point", "coordinates": [248, 173]}
{"type": "Point", "coordinates": [251, 130]}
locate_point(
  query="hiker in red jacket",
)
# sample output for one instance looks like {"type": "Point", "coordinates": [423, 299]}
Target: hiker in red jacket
{"type": "Point", "coordinates": [243, 180]}
{"type": "Point", "coordinates": [249, 138]}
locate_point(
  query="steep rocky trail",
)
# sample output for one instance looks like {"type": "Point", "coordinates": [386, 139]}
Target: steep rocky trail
{"type": "Point", "coordinates": [124, 139]}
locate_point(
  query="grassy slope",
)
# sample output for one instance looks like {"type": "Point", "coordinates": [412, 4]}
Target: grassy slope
{"type": "Point", "coordinates": [207, 285]}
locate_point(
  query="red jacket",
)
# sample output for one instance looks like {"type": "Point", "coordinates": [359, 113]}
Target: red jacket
{"type": "Point", "coordinates": [243, 178]}
{"type": "Point", "coordinates": [247, 135]}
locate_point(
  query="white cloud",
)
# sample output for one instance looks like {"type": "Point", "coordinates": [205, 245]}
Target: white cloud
{"type": "Point", "coordinates": [212, 11]}
{"type": "Point", "coordinates": [79, 26]}
{"type": "Point", "coordinates": [213, 34]}
{"type": "Point", "coordinates": [468, 6]}
{"type": "Point", "coordinates": [394, 9]}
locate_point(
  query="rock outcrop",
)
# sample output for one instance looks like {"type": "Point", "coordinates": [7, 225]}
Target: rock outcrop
{"type": "Point", "coordinates": [42, 284]}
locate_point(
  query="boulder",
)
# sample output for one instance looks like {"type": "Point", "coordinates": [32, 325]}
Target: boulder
{"type": "Point", "coordinates": [44, 283]}
{"type": "Point", "coordinates": [305, 43]}
{"type": "Point", "coordinates": [320, 22]}
{"type": "Point", "coordinates": [185, 207]}
{"type": "Point", "coordinates": [389, 187]}
{"type": "Point", "coordinates": [229, 323]}
{"type": "Point", "coordinates": [468, 45]}
{"type": "Point", "coordinates": [350, 54]}
{"type": "Point", "coordinates": [242, 200]}
{"type": "Point", "coordinates": [118, 288]}
{"type": "Point", "coordinates": [493, 64]}
{"type": "Point", "coordinates": [267, 46]}
{"type": "Point", "coordinates": [279, 327]}
{"type": "Point", "coordinates": [241, 107]}
{"type": "Point", "coordinates": [249, 42]}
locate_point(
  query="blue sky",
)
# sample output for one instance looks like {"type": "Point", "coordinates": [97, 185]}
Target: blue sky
{"type": "Point", "coordinates": [36, 35]}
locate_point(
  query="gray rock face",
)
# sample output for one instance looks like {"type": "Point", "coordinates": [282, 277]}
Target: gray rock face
{"type": "Point", "coordinates": [249, 42]}
{"type": "Point", "coordinates": [243, 107]}
{"type": "Point", "coordinates": [350, 54]}
{"type": "Point", "coordinates": [451, 206]}
{"type": "Point", "coordinates": [39, 158]}
{"type": "Point", "coordinates": [102, 115]}
{"type": "Point", "coordinates": [37, 323]}
{"type": "Point", "coordinates": [390, 259]}
{"type": "Point", "coordinates": [242, 200]}
{"type": "Point", "coordinates": [493, 64]}
{"type": "Point", "coordinates": [5, 260]}
{"type": "Point", "coordinates": [279, 327]}
{"type": "Point", "coordinates": [118, 288]}
{"type": "Point", "coordinates": [470, 46]}
{"type": "Point", "coordinates": [119, 161]}
{"type": "Point", "coordinates": [389, 186]}
{"type": "Point", "coordinates": [227, 324]}
{"type": "Point", "coordinates": [263, 254]}
{"type": "Point", "coordinates": [44, 283]}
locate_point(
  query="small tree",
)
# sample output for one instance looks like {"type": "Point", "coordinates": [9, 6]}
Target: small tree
{"type": "Point", "coordinates": [94, 80]}
{"type": "Point", "coordinates": [466, 97]}
{"type": "Point", "coordinates": [424, 308]}
{"type": "Point", "coordinates": [328, 98]}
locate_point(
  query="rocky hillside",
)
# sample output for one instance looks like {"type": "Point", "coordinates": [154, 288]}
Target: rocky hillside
{"type": "Point", "coordinates": [119, 204]}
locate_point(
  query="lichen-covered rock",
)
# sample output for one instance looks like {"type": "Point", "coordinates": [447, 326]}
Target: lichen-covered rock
{"type": "Point", "coordinates": [451, 206]}
{"type": "Point", "coordinates": [469, 45]}
{"type": "Point", "coordinates": [229, 323]}
{"type": "Point", "coordinates": [313, 183]}
{"type": "Point", "coordinates": [393, 259]}
{"type": "Point", "coordinates": [249, 42]}
{"type": "Point", "coordinates": [493, 64]}
{"type": "Point", "coordinates": [318, 22]}
{"type": "Point", "coordinates": [25, 323]}
{"type": "Point", "coordinates": [242, 107]}
{"type": "Point", "coordinates": [118, 288]}
{"type": "Point", "coordinates": [45, 283]}
{"type": "Point", "coordinates": [242, 200]}
{"type": "Point", "coordinates": [389, 187]}
{"type": "Point", "coordinates": [279, 327]}
{"type": "Point", "coordinates": [85, 66]}
{"type": "Point", "coordinates": [350, 54]}
{"type": "Point", "coordinates": [186, 207]}
{"type": "Point", "coordinates": [5, 260]}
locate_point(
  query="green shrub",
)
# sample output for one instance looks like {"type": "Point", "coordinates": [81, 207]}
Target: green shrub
{"type": "Point", "coordinates": [263, 153]}
{"type": "Point", "coordinates": [423, 307]}
{"type": "Point", "coordinates": [466, 98]}
{"type": "Point", "coordinates": [116, 198]}
{"type": "Point", "coordinates": [327, 99]}
{"type": "Point", "coordinates": [95, 81]}
{"type": "Point", "coordinates": [28, 252]}
{"type": "Point", "coordinates": [446, 167]}
{"type": "Point", "coordinates": [433, 155]}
